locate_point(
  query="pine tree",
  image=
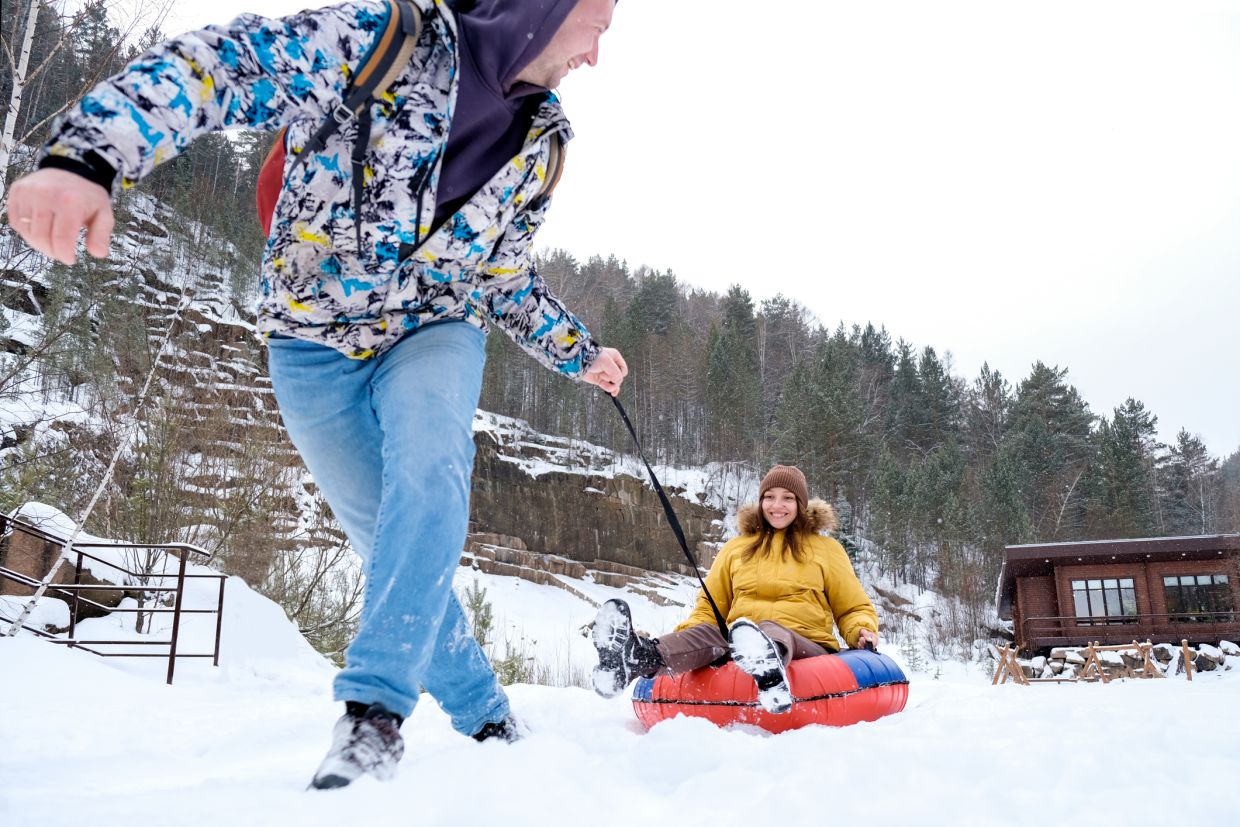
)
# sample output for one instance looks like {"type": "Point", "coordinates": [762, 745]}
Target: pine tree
{"type": "Point", "coordinates": [785, 339]}
{"type": "Point", "coordinates": [1049, 439]}
{"type": "Point", "coordinates": [652, 320]}
{"type": "Point", "coordinates": [1002, 519]}
{"type": "Point", "coordinates": [988, 407]}
{"type": "Point", "coordinates": [1190, 487]}
{"type": "Point", "coordinates": [733, 383]}
{"type": "Point", "coordinates": [905, 414]}
{"type": "Point", "coordinates": [1121, 480]}
{"type": "Point", "coordinates": [820, 417]}
{"type": "Point", "coordinates": [875, 371]}
{"type": "Point", "coordinates": [1229, 494]}
{"type": "Point", "coordinates": [795, 431]}
{"type": "Point", "coordinates": [892, 507]}
{"type": "Point", "coordinates": [838, 410]}
{"type": "Point", "coordinates": [941, 517]}
{"type": "Point", "coordinates": [940, 398]}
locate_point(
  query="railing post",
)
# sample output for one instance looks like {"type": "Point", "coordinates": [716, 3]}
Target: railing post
{"type": "Point", "coordinates": [73, 611]}
{"type": "Point", "coordinates": [176, 614]}
{"type": "Point", "coordinates": [219, 622]}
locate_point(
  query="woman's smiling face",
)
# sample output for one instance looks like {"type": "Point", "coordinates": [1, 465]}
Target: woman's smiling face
{"type": "Point", "coordinates": [779, 506]}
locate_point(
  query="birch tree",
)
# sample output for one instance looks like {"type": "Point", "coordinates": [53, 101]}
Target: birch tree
{"type": "Point", "coordinates": [15, 95]}
{"type": "Point", "coordinates": [29, 67]}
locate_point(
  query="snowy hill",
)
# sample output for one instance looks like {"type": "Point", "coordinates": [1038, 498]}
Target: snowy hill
{"type": "Point", "coordinates": [105, 742]}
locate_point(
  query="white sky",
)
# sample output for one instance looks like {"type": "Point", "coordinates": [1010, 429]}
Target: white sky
{"type": "Point", "coordinates": [1007, 182]}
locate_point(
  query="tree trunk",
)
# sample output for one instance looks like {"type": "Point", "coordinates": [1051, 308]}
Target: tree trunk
{"type": "Point", "coordinates": [15, 100]}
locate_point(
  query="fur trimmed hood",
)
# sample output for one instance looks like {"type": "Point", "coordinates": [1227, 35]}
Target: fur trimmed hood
{"type": "Point", "coordinates": [821, 517]}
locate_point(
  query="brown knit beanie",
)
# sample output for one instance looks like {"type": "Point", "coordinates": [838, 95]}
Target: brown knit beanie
{"type": "Point", "coordinates": [786, 476]}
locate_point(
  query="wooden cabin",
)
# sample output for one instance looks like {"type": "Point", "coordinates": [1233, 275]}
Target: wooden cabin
{"type": "Point", "coordinates": [1164, 589]}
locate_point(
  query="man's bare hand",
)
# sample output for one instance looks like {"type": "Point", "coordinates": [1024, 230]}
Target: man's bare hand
{"type": "Point", "coordinates": [50, 207]}
{"type": "Point", "coordinates": [608, 371]}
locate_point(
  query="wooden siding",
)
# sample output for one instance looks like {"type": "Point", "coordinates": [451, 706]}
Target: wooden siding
{"type": "Point", "coordinates": [1161, 569]}
{"type": "Point", "coordinates": [1035, 597]}
{"type": "Point", "coordinates": [1051, 597]}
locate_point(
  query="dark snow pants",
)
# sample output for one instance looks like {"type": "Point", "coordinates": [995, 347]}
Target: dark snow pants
{"type": "Point", "coordinates": [703, 644]}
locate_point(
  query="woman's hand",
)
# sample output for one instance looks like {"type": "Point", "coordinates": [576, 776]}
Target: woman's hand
{"type": "Point", "coordinates": [866, 639]}
{"type": "Point", "coordinates": [608, 371]}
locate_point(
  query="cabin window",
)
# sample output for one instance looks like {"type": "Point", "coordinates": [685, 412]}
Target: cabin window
{"type": "Point", "coordinates": [1105, 601]}
{"type": "Point", "coordinates": [1199, 598]}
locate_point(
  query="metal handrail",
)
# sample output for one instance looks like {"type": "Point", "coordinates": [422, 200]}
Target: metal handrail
{"type": "Point", "coordinates": [1175, 624]}
{"type": "Point", "coordinates": [186, 546]}
{"type": "Point", "coordinates": [1119, 620]}
{"type": "Point", "coordinates": [179, 550]}
{"type": "Point", "coordinates": [31, 528]}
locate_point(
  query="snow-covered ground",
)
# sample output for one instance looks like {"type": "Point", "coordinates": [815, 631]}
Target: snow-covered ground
{"type": "Point", "coordinates": [84, 740]}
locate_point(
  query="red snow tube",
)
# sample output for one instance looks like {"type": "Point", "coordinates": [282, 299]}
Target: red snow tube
{"type": "Point", "coordinates": [831, 690]}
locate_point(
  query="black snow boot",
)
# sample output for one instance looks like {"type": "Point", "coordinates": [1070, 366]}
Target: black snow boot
{"type": "Point", "coordinates": [364, 740]}
{"type": "Point", "coordinates": [622, 655]}
{"type": "Point", "coordinates": [758, 656]}
{"type": "Point", "coordinates": [507, 730]}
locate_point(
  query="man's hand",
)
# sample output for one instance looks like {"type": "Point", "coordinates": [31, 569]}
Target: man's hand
{"type": "Point", "coordinates": [50, 207]}
{"type": "Point", "coordinates": [608, 371]}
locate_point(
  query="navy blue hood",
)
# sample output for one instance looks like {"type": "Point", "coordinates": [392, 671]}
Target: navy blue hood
{"type": "Point", "coordinates": [498, 38]}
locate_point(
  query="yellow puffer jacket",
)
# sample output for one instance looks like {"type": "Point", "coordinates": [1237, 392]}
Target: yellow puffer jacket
{"type": "Point", "coordinates": [810, 597]}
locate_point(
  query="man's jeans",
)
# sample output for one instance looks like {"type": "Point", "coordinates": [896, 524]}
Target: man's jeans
{"type": "Point", "coordinates": [389, 442]}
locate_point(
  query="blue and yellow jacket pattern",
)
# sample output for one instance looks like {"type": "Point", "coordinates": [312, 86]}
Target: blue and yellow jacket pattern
{"type": "Point", "coordinates": [317, 284]}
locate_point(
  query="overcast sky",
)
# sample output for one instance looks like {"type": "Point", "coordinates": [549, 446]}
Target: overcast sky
{"type": "Point", "coordinates": [1005, 182]}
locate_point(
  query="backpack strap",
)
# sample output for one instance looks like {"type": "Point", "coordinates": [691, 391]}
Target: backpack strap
{"type": "Point", "coordinates": [387, 60]}
{"type": "Point", "coordinates": [555, 168]}
{"type": "Point", "coordinates": [377, 71]}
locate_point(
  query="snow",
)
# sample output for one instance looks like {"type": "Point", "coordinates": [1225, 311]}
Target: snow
{"type": "Point", "coordinates": [24, 407]}
{"type": "Point", "coordinates": [549, 623]}
{"type": "Point", "coordinates": [101, 741]}
{"type": "Point", "coordinates": [47, 612]}
{"type": "Point", "coordinates": [20, 327]}
{"type": "Point", "coordinates": [241, 752]}
{"type": "Point", "coordinates": [1211, 652]}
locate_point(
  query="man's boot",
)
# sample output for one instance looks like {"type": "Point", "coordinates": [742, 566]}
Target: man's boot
{"type": "Point", "coordinates": [366, 739]}
{"type": "Point", "coordinates": [507, 730]}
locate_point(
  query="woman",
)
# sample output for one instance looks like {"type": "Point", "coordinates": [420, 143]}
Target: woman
{"type": "Point", "coordinates": [782, 588]}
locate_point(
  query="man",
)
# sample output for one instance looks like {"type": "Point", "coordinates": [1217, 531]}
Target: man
{"type": "Point", "coordinates": [374, 297]}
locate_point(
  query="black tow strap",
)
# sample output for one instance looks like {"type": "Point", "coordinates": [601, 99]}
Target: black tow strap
{"type": "Point", "coordinates": [672, 521]}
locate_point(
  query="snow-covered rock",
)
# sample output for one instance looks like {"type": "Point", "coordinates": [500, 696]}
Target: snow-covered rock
{"type": "Point", "coordinates": [1214, 653]}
